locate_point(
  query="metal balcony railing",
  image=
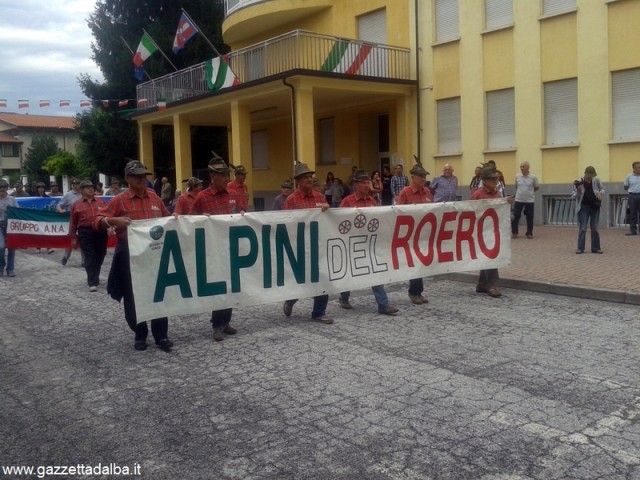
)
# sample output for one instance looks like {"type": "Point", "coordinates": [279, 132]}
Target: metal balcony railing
{"type": "Point", "coordinates": [231, 6]}
{"type": "Point", "coordinates": [291, 51]}
{"type": "Point", "coordinates": [561, 210]}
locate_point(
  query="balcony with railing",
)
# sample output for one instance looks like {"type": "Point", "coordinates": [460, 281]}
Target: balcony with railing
{"type": "Point", "coordinates": [297, 50]}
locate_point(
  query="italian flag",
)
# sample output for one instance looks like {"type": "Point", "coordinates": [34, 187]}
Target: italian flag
{"type": "Point", "coordinates": [219, 75]}
{"type": "Point", "coordinates": [146, 48]}
{"type": "Point", "coordinates": [29, 228]}
{"type": "Point", "coordinates": [346, 57]}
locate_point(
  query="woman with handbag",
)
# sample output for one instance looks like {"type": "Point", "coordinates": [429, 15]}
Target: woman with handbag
{"type": "Point", "coordinates": [588, 192]}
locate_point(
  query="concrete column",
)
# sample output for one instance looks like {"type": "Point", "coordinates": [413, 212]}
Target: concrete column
{"type": "Point", "coordinates": [145, 137]}
{"type": "Point", "coordinates": [240, 143]}
{"type": "Point", "coordinates": [182, 141]}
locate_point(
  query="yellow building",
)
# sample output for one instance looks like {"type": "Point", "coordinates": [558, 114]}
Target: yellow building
{"type": "Point", "coordinates": [552, 82]}
{"type": "Point", "coordinates": [327, 83]}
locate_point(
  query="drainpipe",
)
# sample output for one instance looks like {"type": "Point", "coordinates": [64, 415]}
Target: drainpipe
{"type": "Point", "coordinates": [418, 96]}
{"type": "Point", "coordinates": [294, 131]}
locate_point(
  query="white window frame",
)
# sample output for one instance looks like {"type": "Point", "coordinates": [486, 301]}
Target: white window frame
{"type": "Point", "coordinates": [498, 14]}
{"type": "Point", "coordinates": [625, 104]}
{"type": "Point", "coordinates": [447, 21]}
{"type": "Point", "coordinates": [260, 150]}
{"type": "Point", "coordinates": [501, 119]}
{"type": "Point", "coordinates": [556, 7]}
{"type": "Point", "coordinates": [449, 126]}
{"type": "Point", "coordinates": [372, 28]}
{"type": "Point", "coordinates": [561, 112]}
{"type": "Point", "coordinates": [327, 143]}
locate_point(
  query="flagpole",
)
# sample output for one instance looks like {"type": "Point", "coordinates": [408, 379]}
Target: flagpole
{"type": "Point", "coordinates": [201, 32]}
{"type": "Point", "coordinates": [133, 54]}
{"type": "Point", "coordinates": [159, 49]}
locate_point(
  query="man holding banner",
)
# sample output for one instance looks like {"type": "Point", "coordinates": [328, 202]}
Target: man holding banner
{"type": "Point", "coordinates": [136, 203]}
{"type": "Point", "coordinates": [216, 200]}
{"type": "Point", "coordinates": [306, 197]}
{"type": "Point", "coordinates": [5, 202]}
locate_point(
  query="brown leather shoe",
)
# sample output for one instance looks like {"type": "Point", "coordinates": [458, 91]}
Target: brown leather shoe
{"type": "Point", "coordinates": [218, 334]}
{"type": "Point", "coordinates": [494, 293]}
{"type": "Point", "coordinates": [323, 319]}
{"type": "Point", "coordinates": [229, 330]}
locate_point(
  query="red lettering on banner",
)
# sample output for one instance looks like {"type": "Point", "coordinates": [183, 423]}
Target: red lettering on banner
{"type": "Point", "coordinates": [493, 252]}
{"type": "Point", "coordinates": [431, 219]}
{"type": "Point", "coordinates": [402, 242]}
{"type": "Point", "coordinates": [444, 235]}
{"type": "Point", "coordinates": [466, 235]}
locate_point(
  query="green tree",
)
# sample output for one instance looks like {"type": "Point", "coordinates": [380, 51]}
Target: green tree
{"type": "Point", "coordinates": [42, 147]}
{"type": "Point", "coordinates": [66, 163]}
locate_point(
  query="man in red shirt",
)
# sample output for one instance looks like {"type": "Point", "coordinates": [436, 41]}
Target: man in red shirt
{"type": "Point", "coordinates": [488, 280]}
{"type": "Point", "coordinates": [93, 243]}
{"type": "Point", "coordinates": [186, 200]}
{"type": "Point", "coordinates": [416, 193]}
{"type": "Point", "coordinates": [135, 203]}
{"type": "Point", "coordinates": [306, 197]}
{"type": "Point", "coordinates": [361, 198]}
{"type": "Point", "coordinates": [217, 200]}
{"type": "Point", "coordinates": [239, 187]}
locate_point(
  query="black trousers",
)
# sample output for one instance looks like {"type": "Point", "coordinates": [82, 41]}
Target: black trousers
{"type": "Point", "coordinates": [93, 244]}
{"type": "Point", "coordinates": [120, 288]}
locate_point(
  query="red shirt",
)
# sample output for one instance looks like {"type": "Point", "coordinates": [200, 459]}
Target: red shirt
{"type": "Point", "coordinates": [134, 206]}
{"type": "Point", "coordinates": [215, 202]}
{"type": "Point", "coordinates": [242, 192]}
{"type": "Point", "coordinates": [354, 200]}
{"type": "Point", "coordinates": [185, 203]}
{"type": "Point", "coordinates": [482, 194]}
{"type": "Point", "coordinates": [83, 212]}
{"type": "Point", "coordinates": [412, 194]}
{"type": "Point", "coordinates": [298, 200]}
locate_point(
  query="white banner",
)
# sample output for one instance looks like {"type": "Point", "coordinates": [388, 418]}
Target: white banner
{"type": "Point", "coordinates": [195, 264]}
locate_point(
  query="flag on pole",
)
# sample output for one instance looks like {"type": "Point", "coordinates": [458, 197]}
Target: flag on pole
{"type": "Point", "coordinates": [186, 30]}
{"type": "Point", "coordinates": [123, 103]}
{"type": "Point", "coordinates": [219, 75]}
{"type": "Point", "coordinates": [23, 103]}
{"type": "Point", "coordinates": [146, 48]}
{"type": "Point", "coordinates": [105, 103]}
{"type": "Point", "coordinates": [65, 103]}
{"type": "Point", "coordinates": [45, 103]}
{"type": "Point", "coordinates": [29, 228]}
{"type": "Point", "coordinates": [143, 102]}
{"type": "Point", "coordinates": [3, 103]}
{"type": "Point", "coordinates": [85, 103]}
{"type": "Point", "coordinates": [162, 104]}
{"type": "Point", "coordinates": [346, 57]}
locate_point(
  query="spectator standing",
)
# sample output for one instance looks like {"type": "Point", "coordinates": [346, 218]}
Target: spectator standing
{"type": "Point", "coordinates": [337, 192]}
{"type": "Point", "coordinates": [64, 206]}
{"type": "Point", "coordinates": [40, 190]}
{"type": "Point", "coordinates": [376, 187]}
{"type": "Point", "coordinates": [239, 188]}
{"type": "Point", "coordinates": [285, 190]}
{"type": "Point", "coordinates": [414, 194]}
{"type": "Point", "coordinates": [398, 182]}
{"type": "Point", "coordinates": [157, 182]}
{"type": "Point", "coordinates": [476, 180]}
{"type": "Point", "coordinates": [306, 197]}
{"type": "Point", "coordinates": [136, 203]}
{"type": "Point", "coordinates": [115, 188]}
{"type": "Point", "coordinates": [588, 192]}
{"type": "Point", "coordinates": [526, 186]}
{"type": "Point", "coordinates": [328, 184]}
{"type": "Point", "coordinates": [185, 202]}
{"type": "Point", "coordinates": [19, 191]}
{"type": "Point", "coordinates": [445, 187]}
{"type": "Point", "coordinates": [166, 192]}
{"type": "Point", "coordinates": [632, 185]}
{"type": "Point", "coordinates": [362, 199]}
{"type": "Point", "coordinates": [6, 201]}
{"type": "Point", "coordinates": [54, 191]}
{"type": "Point", "coordinates": [386, 196]}
{"type": "Point", "coordinates": [218, 200]}
{"type": "Point", "coordinates": [93, 243]}
{"type": "Point", "coordinates": [99, 191]}
{"type": "Point", "coordinates": [489, 278]}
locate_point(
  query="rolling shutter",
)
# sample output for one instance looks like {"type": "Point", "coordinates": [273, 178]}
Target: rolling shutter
{"type": "Point", "coordinates": [498, 13]}
{"type": "Point", "coordinates": [625, 104]}
{"type": "Point", "coordinates": [561, 112]}
{"type": "Point", "coordinates": [446, 20]}
{"type": "Point", "coordinates": [501, 129]}
{"type": "Point", "coordinates": [449, 135]}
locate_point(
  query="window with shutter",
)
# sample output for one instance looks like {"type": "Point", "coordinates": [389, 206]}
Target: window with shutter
{"type": "Point", "coordinates": [260, 150]}
{"type": "Point", "coordinates": [446, 12]}
{"type": "Point", "coordinates": [551, 7]}
{"type": "Point", "coordinates": [372, 28]}
{"type": "Point", "coordinates": [498, 13]}
{"type": "Point", "coordinates": [561, 112]}
{"type": "Point", "coordinates": [625, 104]}
{"type": "Point", "coordinates": [501, 128]}
{"type": "Point", "coordinates": [449, 134]}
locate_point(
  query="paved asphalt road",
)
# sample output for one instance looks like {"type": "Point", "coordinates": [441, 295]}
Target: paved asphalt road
{"type": "Point", "coordinates": [529, 386]}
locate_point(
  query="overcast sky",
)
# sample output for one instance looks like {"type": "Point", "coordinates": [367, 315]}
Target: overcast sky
{"type": "Point", "coordinates": [44, 46]}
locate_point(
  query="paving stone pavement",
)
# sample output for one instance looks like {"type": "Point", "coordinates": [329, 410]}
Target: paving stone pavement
{"type": "Point", "coordinates": [529, 386]}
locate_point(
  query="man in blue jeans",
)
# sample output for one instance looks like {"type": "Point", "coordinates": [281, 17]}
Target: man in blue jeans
{"type": "Point", "coordinates": [588, 192]}
{"type": "Point", "coordinates": [632, 185]}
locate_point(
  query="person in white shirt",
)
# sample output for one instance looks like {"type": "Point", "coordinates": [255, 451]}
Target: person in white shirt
{"type": "Point", "coordinates": [526, 186]}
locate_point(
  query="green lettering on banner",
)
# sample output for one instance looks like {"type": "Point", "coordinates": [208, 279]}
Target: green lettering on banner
{"type": "Point", "coordinates": [283, 243]}
{"type": "Point", "coordinates": [315, 256]}
{"type": "Point", "coordinates": [266, 256]}
{"type": "Point", "coordinates": [205, 289]}
{"type": "Point", "coordinates": [165, 279]}
{"type": "Point", "coordinates": [238, 261]}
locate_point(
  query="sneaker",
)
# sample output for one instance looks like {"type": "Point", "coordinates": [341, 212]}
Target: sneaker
{"type": "Point", "coordinates": [218, 334]}
{"type": "Point", "coordinates": [93, 288]}
{"type": "Point", "coordinates": [388, 310]}
{"type": "Point", "coordinates": [229, 330]}
{"type": "Point", "coordinates": [323, 319]}
{"type": "Point", "coordinates": [578, 252]}
{"type": "Point", "coordinates": [11, 274]}
{"type": "Point", "coordinates": [597, 251]}
{"type": "Point", "coordinates": [345, 304]}
{"type": "Point", "coordinates": [287, 308]}
{"type": "Point", "coordinates": [416, 299]}
{"type": "Point", "coordinates": [165, 344]}
{"type": "Point", "coordinates": [64, 260]}
{"type": "Point", "coordinates": [140, 345]}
